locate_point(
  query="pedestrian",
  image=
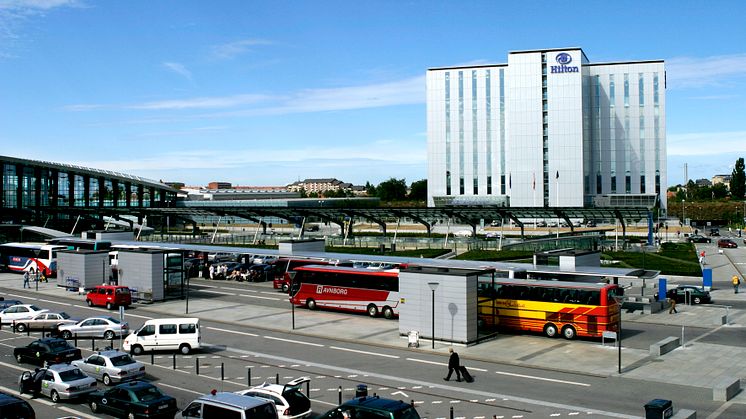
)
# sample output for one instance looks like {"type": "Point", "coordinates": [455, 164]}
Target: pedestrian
{"type": "Point", "coordinates": [25, 280]}
{"type": "Point", "coordinates": [212, 272]}
{"type": "Point", "coordinates": [672, 306]}
{"type": "Point", "coordinates": [453, 365]}
{"type": "Point", "coordinates": [702, 258]}
{"type": "Point", "coordinates": [736, 282]}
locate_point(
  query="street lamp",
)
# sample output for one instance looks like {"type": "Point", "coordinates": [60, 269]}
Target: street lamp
{"type": "Point", "coordinates": [619, 300]}
{"type": "Point", "coordinates": [433, 286]}
{"type": "Point", "coordinates": [683, 209]}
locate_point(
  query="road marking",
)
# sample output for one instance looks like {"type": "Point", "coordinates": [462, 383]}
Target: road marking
{"type": "Point", "coordinates": [55, 302]}
{"type": "Point", "coordinates": [76, 413]}
{"type": "Point", "coordinates": [232, 331]}
{"type": "Point", "coordinates": [259, 297]}
{"type": "Point", "coordinates": [25, 297]}
{"type": "Point", "coordinates": [180, 388]}
{"type": "Point", "coordinates": [426, 362]}
{"type": "Point", "coordinates": [294, 341]}
{"type": "Point", "coordinates": [543, 379]}
{"type": "Point", "coordinates": [363, 352]}
{"type": "Point", "coordinates": [400, 392]}
{"type": "Point", "coordinates": [15, 367]}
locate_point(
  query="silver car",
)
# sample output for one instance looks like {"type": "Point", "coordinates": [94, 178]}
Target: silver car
{"type": "Point", "coordinates": [111, 367]}
{"type": "Point", "coordinates": [45, 321]}
{"type": "Point", "coordinates": [59, 381]}
{"type": "Point", "coordinates": [106, 327]}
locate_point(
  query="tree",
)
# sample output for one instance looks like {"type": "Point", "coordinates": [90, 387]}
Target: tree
{"type": "Point", "coordinates": [738, 180]}
{"type": "Point", "coordinates": [392, 190]}
{"type": "Point", "coordinates": [370, 189]}
{"type": "Point", "coordinates": [418, 190]}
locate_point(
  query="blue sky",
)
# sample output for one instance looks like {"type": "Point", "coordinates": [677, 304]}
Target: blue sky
{"type": "Point", "coordinates": [269, 92]}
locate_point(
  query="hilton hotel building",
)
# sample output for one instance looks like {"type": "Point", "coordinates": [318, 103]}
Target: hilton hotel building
{"type": "Point", "coordinates": [547, 129]}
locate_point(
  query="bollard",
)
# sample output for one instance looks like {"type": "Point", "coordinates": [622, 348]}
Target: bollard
{"type": "Point", "coordinates": [174, 361]}
{"type": "Point", "coordinates": [340, 395]}
{"type": "Point", "coordinates": [451, 412]}
{"type": "Point", "coordinates": [248, 378]}
{"type": "Point", "coordinates": [28, 331]}
{"type": "Point", "coordinates": [93, 344]}
{"type": "Point", "coordinates": [277, 378]}
{"type": "Point", "coordinates": [196, 365]}
{"type": "Point", "coordinates": [75, 339]}
{"type": "Point", "coordinates": [411, 402]}
{"type": "Point", "coordinates": [308, 389]}
{"type": "Point", "coordinates": [222, 371]}
{"type": "Point", "coordinates": [152, 358]}
{"type": "Point", "coordinates": [111, 342]}
{"type": "Point", "coordinates": [13, 327]}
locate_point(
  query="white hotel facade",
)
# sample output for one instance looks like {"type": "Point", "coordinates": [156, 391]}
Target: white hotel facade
{"type": "Point", "coordinates": [547, 129]}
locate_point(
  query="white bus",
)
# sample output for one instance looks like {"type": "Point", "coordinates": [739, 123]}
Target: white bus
{"type": "Point", "coordinates": [31, 257]}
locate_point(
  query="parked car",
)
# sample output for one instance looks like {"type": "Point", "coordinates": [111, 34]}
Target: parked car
{"type": "Point", "coordinates": [15, 407]}
{"type": "Point", "coordinates": [727, 244]}
{"type": "Point", "coordinates": [105, 327]}
{"type": "Point", "coordinates": [45, 321]}
{"type": "Point", "coordinates": [590, 224]}
{"type": "Point", "coordinates": [698, 238]}
{"type": "Point", "coordinates": [229, 405]}
{"type": "Point", "coordinates": [289, 400]}
{"type": "Point", "coordinates": [7, 303]}
{"type": "Point", "coordinates": [492, 235]}
{"type": "Point", "coordinates": [20, 312]}
{"type": "Point", "coordinates": [541, 224]}
{"type": "Point", "coordinates": [261, 272]}
{"type": "Point", "coordinates": [58, 382]}
{"type": "Point", "coordinates": [697, 295]}
{"type": "Point", "coordinates": [109, 296]}
{"type": "Point", "coordinates": [135, 399]}
{"type": "Point", "coordinates": [111, 367]}
{"type": "Point", "coordinates": [47, 351]}
{"type": "Point", "coordinates": [714, 231]}
{"type": "Point", "coordinates": [182, 334]}
{"type": "Point", "coordinates": [375, 407]}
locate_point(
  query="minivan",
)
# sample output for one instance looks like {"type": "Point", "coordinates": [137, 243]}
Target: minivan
{"type": "Point", "coordinates": [222, 405]}
{"type": "Point", "coordinates": [180, 334]}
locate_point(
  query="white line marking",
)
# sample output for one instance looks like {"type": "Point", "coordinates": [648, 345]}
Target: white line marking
{"type": "Point", "coordinates": [181, 388]}
{"type": "Point", "coordinates": [363, 352]}
{"type": "Point", "coordinates": [76, 413]}
{"type": "Point", "coordinates": [231, 331]}
{"type": "Point", "coordinates": [25, 297]}
{"type": "Point", "coordinates": [400, 392]}
{"type": "Point", "coordinates": [55, 302]}
{"type": "Point", "coordinates": [259, 297]}
{"type": "Point", "coordinates": [543, 379]}
{"type": "Point", "coordinates": [426, 362]}
{"type": "Point", "coordinates": [294, 341]}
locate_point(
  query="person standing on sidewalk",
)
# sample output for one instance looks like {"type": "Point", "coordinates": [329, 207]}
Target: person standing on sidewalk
{"type": "Point", "coordinates": [25, 280]}
{"type": "Point", "coordinates": [672, 306]}
{"type": "Point", "coordinates": [736, 282]}
{"type": "Point", "coordinates": [453, 365]}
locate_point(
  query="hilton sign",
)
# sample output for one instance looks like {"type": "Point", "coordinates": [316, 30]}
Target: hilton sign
{"type": "Point", "coordinates": [563, 59]}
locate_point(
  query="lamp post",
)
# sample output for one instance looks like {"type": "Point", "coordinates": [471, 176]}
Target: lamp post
{"type": "Point", "coordinates": [618, 300]}
{"type": "Point", "coordinates": [433, 286]}
{"type": "Point", "coordinates": [683, 211]}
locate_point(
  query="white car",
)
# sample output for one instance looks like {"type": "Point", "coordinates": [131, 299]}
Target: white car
{"type": "Point", "coordinates": [289, 400]}
{"type": "Point", "coordinates": [106, 327]}
{"type": "Point", "coordinates": [20, 312]}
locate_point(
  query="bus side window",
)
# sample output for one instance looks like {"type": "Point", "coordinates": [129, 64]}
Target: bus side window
{"type": "Point", "coordinates": [594, 298]}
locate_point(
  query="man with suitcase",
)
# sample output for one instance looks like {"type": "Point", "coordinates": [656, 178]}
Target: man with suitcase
{"type": "Point", "coordinates": [453, 365]}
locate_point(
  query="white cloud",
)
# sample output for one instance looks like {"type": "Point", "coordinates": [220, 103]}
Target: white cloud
{"type": "Point", "coordinates": [178, 69]}
{"type": "Point", "coordinates": [685, 72]}
{"type": "Point", "coordinates": [233, 49]}
{"type": "Point", "coordinates": [200, 102]}
{"type": "Point", "coordinates": [706, 143]}
{"type": "Point", "coordinates": [35, 5]}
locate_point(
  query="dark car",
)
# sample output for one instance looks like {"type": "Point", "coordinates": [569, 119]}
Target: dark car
{"type": "Point", "coordinates": [727, 244]}
{"type": "Point", "coordinates": [14, 407]}
{"type": "Point", "coordinates": [7, 303]}
{"type": "Point", "coordinates": [714, 232]}
{"type": "Point", "coordinates": [697, 295]}
{"type": "Point", "coordinates": [375, 406]}
{"type": "Point", "coordinates": [47, 351]}
{"type": "Point", "coordinates": [138, 399]}
{"type": "Point", "coordinates": [698, 238]}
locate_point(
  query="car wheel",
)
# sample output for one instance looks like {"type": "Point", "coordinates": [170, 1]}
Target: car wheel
{"type": "Point", "coordinates": [372, 310]}
{"type": "Point", "coordinates": [185, 349]}
{"type": "Point", "coordinates": [285, 288]}
{"type": "Point", "coordinates": [569, 332]}
{"type": "Point", "coordinates": [20, 388]}
{"type": "Point", "coordinates": [137, 350]}
{"type": "Point", "coordinates": [109, 306]}
{"type": "Point", "coordinates": [20, 327]}
{"type": "Point", "coordinates": [311, 304]}
{"type": "Point", "coordinates": [550, 330]}
{"type": "Point", "coordinates": [89, 302]}
{"type": "Point", "coordinates": [107, 380]}
{"type": "Point", "coordinates": [66, 334]}
{"type": "Point", "coordinates": [108, 335]}
{"type": "Point", "coordinates": [94, 407]}
{"type": "Point", "coordinates": [696, 300]}
{"type": "Point", "coordinates": [19, 358]}
{"type": "Point", "coordinates": [388, 313]}
{"type": "Point", "coordinates": [55, 396]}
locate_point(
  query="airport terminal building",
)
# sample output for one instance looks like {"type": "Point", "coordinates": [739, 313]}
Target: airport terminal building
{"type": "Point", "coordinates": [547, 129]}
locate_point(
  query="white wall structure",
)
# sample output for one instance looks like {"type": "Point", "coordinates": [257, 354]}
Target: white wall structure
{"type": "Point", "coordinates": [547, 129]}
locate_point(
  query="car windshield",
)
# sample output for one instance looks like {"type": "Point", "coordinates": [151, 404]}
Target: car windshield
{"type": "Point", "coordinates": [112, 319]}
{"type": "Point", "coordinates": [120, 360]}
{"type": "Point", "coordinates": [72, 375]}
{"type": "Point", "coordinates": [60, 345]}
{"type": "Point", "coordinates": [64, 315]}
{"type": "Point", "coordinates": [408, 413]}
{"type": "Point", "coordinates": [147, 394]}
{"type": "Point", "coordinates": [34, 308]}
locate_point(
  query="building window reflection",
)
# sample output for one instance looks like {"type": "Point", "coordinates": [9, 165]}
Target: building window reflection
{"type": "Point", "coordinates": [79, 191]}
{"type": "Point", "coordinates": [10, 186]}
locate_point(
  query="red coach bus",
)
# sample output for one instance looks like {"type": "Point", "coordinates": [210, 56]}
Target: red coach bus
{"type": "Point", "coordinates": [346, 288]}
{"type": "Point", "coordinates": [551, 307]}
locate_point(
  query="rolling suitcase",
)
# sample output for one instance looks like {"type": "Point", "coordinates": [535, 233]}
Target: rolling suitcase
{"type": "Point", "coordinates": [465, 374]}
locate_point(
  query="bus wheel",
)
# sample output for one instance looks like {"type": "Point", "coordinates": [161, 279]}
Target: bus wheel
{"type": "Point", "coordinates": [569, 332]}
{"type": "Point", "coordinates": [388, 313]}
{"type": "Point", "coordinates": [550, 330]}
{"type": "Point", "coordinates": [372, 310]}
{"type": "Point", "coordinates": [311, 304]}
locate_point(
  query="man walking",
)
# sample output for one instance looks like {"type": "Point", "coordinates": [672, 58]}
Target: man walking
{"type": "Point", "coordinates": [25, 280]}
{"type": "Point", "coordinates": [736, 282]}
{"type": "Point", "coordinates": [672, 306]}
{"type": "Point", "coordinates": [453, 365]}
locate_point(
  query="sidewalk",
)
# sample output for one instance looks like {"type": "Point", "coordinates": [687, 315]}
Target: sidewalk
{"type": "Point", "coordinates": [533, 351]}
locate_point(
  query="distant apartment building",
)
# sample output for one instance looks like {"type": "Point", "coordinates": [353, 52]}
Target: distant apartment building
{"type": "Point", "coordinates": [703, 182]}
{"type": "Point", "coordinates": [724, 179]}
{"type": "Point", "coordinates": [197, 193]}
{"type": "Point", "coordinates": [320, 186]}
{"type": "Point", "coordinates": [219, 185]}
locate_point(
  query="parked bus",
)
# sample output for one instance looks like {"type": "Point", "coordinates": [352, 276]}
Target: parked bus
{"type": "Point", "coordinates": [31, 257]}
{"type": "Point", "coordinates": [345, 288]}
{"type": "Point", "coordinates": [551, 307]}
{"type": "Point", "coordinates": [74, 243]}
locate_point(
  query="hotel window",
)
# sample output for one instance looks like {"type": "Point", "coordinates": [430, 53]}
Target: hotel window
{"type": "Point", "coordinates": [489, 185]}
{"type": "Point", "coordinates": [641, 88]}
{"type": "Point", "coordinates": [642, 183]}
{"type": "Point", "coordinates": [474, 131]}
{"type": "Point", "coordinates": [599, 184]}
{"type": "Point", "coordinates": [627, 183]}
{"type": "Point", "coordinates": [461, 128]}
{"type": "Point", "coordinates": [448, 182]}
{"type": "Point", "coordinates": [488, 103]}
{"type": "Point", "coordinates": [626, 90]}
{"type": "Point", "coordinates": [476, 187]}
{"type": "Point", "coordinates": [613, 183]}
{"type": "Point", "coordinates": [502, 184]}
{"type": "Point", "coordinates": [448, 129]}
{"type": "Point", "coordinates": [461, 186]}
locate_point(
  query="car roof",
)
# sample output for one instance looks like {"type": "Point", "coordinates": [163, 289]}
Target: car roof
{"type": "Point", "coordinates": [50, 340]}
{"type": "Point", "coordinates": [135, 385]}
{"type": "Point", "coordinates": [233, 399]}
{"type": "Point", "coordinates": [62, 367]}
{"type": "Point", "coordinates": [110, 353]}
{"type": "Point", "coordinates": [6, 399]}
{"type": "Point", "coordinates": [376, 402]}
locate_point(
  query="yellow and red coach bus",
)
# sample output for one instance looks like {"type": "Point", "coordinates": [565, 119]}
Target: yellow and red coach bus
{"type": "Point", "coordinates": [551, 307]}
